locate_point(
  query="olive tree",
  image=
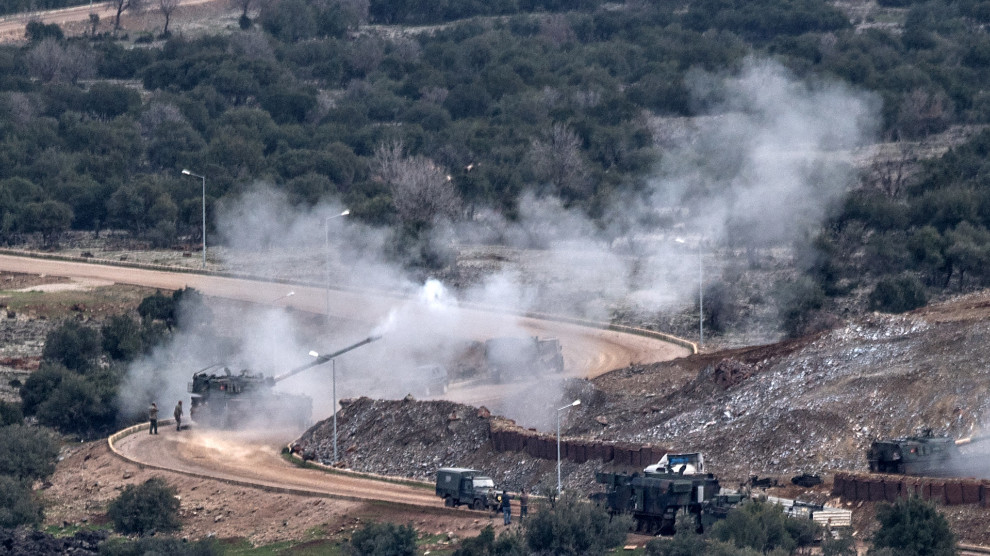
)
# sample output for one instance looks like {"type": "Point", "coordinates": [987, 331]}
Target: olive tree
{"type": "Point", "coordinates": [120, 6]}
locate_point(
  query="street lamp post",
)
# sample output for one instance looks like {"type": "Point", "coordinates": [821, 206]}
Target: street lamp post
{"type": "Point", "coordinates": [333, 367]}
{"type": "Point", "coordinates": [572, 404]}
{"type": "Point", "coordinates": [326, 227]}
{"type": "Point", "coordinates": [188, 173]}
{"type": "Point", "coordinates": [701, 292]}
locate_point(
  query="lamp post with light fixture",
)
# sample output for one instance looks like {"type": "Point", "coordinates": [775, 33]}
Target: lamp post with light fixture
{"type": "Point", "coordinates": [188, 173]}
{"type": "Point", "coordinates": [572, 404]}
{"type": "Point", "coordinates": [701, 292]}
{"type": "Point", "coordinates": [326, 227]}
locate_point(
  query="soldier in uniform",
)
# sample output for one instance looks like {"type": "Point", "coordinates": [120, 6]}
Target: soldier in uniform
{"type": "Point", "coordinates": [153, 418]}
{"type": "Point", "coordinates": [523, 504]}
{"type": "Point", "coordinates": [178, 416]}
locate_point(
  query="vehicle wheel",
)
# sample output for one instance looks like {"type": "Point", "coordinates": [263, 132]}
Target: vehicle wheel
{"type": "Point", "coordinates": [447, 501]}
{"type": "Point", "coordinates": [478, 505]}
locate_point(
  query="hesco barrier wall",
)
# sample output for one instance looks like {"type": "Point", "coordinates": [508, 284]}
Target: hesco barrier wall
{"type": "Point", "coordinates": [508, 437]}
{"type": "Point", "coordinates": [888, 488]}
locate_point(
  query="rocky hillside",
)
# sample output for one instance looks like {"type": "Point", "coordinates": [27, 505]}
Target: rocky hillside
{"type": "Point", "coordinates": [810, 405]}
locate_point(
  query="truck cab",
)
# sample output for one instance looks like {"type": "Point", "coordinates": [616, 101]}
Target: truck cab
{"type": "Point", "coordinates": [458, 485]}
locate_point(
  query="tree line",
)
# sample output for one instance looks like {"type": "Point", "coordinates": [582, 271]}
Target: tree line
{"type": "Point", "coordinates": [411, 129]}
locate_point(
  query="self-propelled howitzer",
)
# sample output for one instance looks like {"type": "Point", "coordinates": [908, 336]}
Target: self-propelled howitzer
{"type": "Point", "coordinates": [223, 399]}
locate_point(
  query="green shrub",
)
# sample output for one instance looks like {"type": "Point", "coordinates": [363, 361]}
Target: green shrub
{"type": "Point", "coordinates": [151, 506]}
{"type": "Point", "coordinates": [39, 385]}
{"type": "Point", "coordinates": [27, 453]}
{"type": "Point", "coordinates": [510, 543]}
{"type": "Point", "coordinates": [685, 542]}
{"type": "Point", "coordinates": [898, 294]}
{"type": "Point", "coordinates": [383, 539]}
{"type": "Point", "coordinates": [73, 345]}
{"type": "Point", "coordinates": [121, 337]}
{"type": "Point", "coordinates": [10, 414]}
{"type": "Point", "coordinates": [913, 527]}
{"type": "Point", "coordinates": [17, 504]}
{"type": "Point", "coordinates": [575, 526]}
{"type": "Point", "coordinates": [762, 526]}
{"type": "Point", "coordinates": [160, 546]}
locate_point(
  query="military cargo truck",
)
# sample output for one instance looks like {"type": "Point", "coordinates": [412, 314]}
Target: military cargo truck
{"type": "Point", "coordinates": [458, 485]}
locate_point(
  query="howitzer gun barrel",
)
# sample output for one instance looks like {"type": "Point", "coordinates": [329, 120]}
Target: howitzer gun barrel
{"type": "Point", "coordinates": [325, 358]}
{"type": "Point", "coordinates": [972, 439]}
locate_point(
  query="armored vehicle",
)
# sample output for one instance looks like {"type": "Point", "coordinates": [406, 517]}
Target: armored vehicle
{"type": "Point", "coordinates": [512, 358]}
{"type": "Point", "coordinates": [677, 484]}
{"type": "Point", "coordinates": [927, 455]}
{"type": "Point", "coordinates": [458, 485]}
{"type": "Point", "coordinates": [223, 399]}
{"type": "Point", "coordinates": [424, 380]}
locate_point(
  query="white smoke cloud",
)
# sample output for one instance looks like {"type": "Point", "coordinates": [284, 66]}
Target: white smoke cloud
{"type": "Point", "coordinates": [758, 167]}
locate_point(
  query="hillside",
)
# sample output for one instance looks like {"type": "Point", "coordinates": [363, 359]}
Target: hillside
{"type": "Point", "coordinates": [809, 405]}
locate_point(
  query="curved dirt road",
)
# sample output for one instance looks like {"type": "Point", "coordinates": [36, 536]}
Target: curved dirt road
{"type": "Point", "coordinates": [246, 458]}
{"type": "Point", "coordinates": [588, 352]}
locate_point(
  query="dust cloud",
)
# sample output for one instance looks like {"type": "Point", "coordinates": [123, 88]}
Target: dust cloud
{"type": "Point", "coordinates": [759, 166]}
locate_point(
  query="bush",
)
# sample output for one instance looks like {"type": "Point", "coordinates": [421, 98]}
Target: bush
{"type": "Point", "coordinates": [485, 544]}
{"type": "Point", "coordinates": [121, 337]}
{"type": "Point", "coordinates": [27, 453]}
{"type": "Point", "coordinates": [39, 385]}
{"type": "Point", "coordinates": [897, 295]}
{"type": "Point", "coordinates": [384, 539]}
{"type": "Point", "coordinates": [10, 414]}
{"type": "Point", "coordinates": [762, 526]}
{"type": "Point", "coordinates": [913, 527]}
{"type": "Point", "coordinates": [17, 504]}
{"type": "Point", "coordinates": [686, 542]}
{"type": "Point", "coordinates": [160, 546]}
{"type": "Point", "coordinates": [575, 526]}
{"type": "Point", "coordinates": [73, 345]}
{"type": "Point", "coordinates": [149, 507]}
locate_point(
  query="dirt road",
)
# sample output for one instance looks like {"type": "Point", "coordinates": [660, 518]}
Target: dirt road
{"type": "Point", "coordinates": [246, 458]}
{"type": "Point", "coordinates": [588, 352]}
{"type": "Point", "coordinates": [12, 27]}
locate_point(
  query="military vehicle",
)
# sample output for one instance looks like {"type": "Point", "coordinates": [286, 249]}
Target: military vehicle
{"type": "Point", "coordinates": [677, 484]}
{"type": "Point", "coordinates": [223, 399]}
{"type": "Point", "coordinates": [926, 455]}
{"type": "Point", "coordinates": [458, 485]}
{"type": "Point", "coordinates": [512, 358]}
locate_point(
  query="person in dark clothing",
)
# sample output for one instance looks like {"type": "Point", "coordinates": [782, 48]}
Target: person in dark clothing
{"type": "Point", "coordinates": [523, 504]}
{"type": "Point", "coordinates": [178, 416]}
{"type": "Point", "coordinates": [506, 507]}
{"type": "Point", "coordinates": [153, 418]}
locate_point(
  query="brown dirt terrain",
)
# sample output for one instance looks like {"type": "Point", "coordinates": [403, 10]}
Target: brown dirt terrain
{"type": "Point", "coordinates": [89, 476]}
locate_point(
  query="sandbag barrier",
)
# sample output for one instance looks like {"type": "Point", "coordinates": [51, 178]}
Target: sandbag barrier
{"type": "Point", "coordinates": [889, 488]}
{"type": "Point", "coordinates": [511, 438]}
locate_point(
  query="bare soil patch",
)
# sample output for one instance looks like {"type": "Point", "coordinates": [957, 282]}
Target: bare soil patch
{"type": "Point", "coordinates": [89, 476]}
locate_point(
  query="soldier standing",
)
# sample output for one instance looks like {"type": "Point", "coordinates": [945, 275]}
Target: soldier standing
{"type": "Point", "coordinates": [153, 418]}
{"type": "Point", "coordinates": [523, 504]}
{"type": "Point", "coordinates": [178, 416]}
{"type": "Point", "coordinates": [506, 508]}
